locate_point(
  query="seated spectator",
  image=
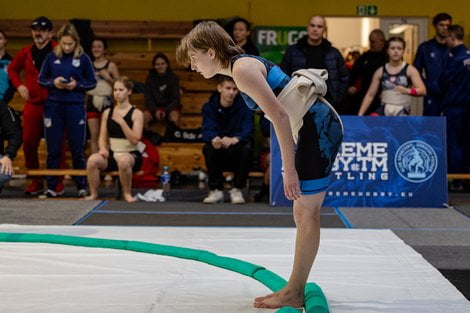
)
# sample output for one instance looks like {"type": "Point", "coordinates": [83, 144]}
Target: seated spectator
{"type": "Point", "coordinates": [120, 132]}
{"type": "Point", "coordinates": [101, 97]}
{"type": "Point", "coordinates": [227, 128]}
{"type": "Point", "coordinates": [241, 34]}
{"type": "Point", "coordinates": [6, 88]}
{"type": "Point", "coordinates": [10, 131]}
{"type": "Point", "coordinates": [67, 73]}
{"type": "Point", "coordinates": [162, 92]}
{"type": "Point", "coordinates": [398, 80]}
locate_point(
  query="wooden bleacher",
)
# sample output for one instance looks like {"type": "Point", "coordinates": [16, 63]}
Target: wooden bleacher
{"type": "Point", "coordinates": [184, 157]}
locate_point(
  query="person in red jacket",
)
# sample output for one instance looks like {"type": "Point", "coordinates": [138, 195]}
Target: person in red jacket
{"type": "Point", "coordinates": [29, 59]}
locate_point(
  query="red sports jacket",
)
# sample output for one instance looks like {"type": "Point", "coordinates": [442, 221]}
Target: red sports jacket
{"type": "Point", "coordinates": [24, 60]}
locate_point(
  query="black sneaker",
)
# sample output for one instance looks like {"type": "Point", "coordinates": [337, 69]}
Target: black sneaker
{"type": "Point", "coordinates": [49, 193]}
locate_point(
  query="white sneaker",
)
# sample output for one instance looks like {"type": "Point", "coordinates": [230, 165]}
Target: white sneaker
{"type": "Point", "coordinates": [82, 193]}
{"type": "Point", "coordinates": [215, 196]}
{"type": "Point", "coordinates": [236, 196]}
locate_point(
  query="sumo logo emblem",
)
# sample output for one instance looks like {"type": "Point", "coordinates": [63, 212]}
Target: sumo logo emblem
{"type": "Point", "coordinates": [416, 161]}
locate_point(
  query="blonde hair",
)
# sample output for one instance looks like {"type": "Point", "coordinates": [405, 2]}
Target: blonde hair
{"type": "Point", "coordinates": [69, 30]}
{"type": "Point", "coordinates": [204, 36]}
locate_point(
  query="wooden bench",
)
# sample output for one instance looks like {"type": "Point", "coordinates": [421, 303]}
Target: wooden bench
{"type": "Point", "coordinates": [19, 28]}
{"type": "Point", "coordinates": [458, 176]}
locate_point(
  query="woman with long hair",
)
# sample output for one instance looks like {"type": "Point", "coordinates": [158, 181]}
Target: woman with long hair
{"type": "Point", "coordinates": [67, 73]}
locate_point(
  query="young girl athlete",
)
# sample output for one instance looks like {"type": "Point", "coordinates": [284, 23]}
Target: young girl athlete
{"type": "Point", "coordinates": [210, 51]}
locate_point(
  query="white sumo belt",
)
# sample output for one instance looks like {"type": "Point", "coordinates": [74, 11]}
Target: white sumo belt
{"type": "Point", "coordinates": [305, 87]}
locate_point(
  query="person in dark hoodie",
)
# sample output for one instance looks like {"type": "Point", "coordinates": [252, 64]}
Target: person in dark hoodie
{"type": "Point", "coordinates": [314, 51]}
{"type": "Point", "coordinates": [11, 132]}
{"type": "Point", "coordinates": [227, 130]}
{"type": "Point", "coordinates": [67, 73]}
{"type": "Point", "coordinates": [162, 92]}
{"type": "Point", "coordinates": [241, 34]}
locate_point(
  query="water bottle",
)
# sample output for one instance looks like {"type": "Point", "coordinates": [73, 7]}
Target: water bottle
{"type": "Point", "coordinates": [165, 179]}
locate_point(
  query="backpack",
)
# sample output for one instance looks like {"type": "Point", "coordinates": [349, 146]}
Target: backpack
{"type": "Point", "coordinates": [150, 163]}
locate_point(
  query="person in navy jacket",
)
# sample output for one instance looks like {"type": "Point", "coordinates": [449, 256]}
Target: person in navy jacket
{"type": "Point", "coordinates": [455, 84]}
{"type": "Point", "coordinates": [227, 129]}
{"type": "Point", "coordinates": [430, 61]}
{"type": "Point", "coordinates": [67, 73]}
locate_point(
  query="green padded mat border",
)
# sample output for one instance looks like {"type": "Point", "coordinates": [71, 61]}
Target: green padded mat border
{"type": "Point", "coordinates": [315, 300]}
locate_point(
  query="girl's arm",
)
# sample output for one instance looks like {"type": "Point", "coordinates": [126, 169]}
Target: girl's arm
{"type": "Point", "coordinates": [103, 138]}
{"type": "Point", "coordinates": [249, 75]}
{"type": "Point", "coordinates": [371, 92]}
{"type": "Point", "coordinates": [113, 70]}
{"type": "Point", "coordinates": [416, 81]}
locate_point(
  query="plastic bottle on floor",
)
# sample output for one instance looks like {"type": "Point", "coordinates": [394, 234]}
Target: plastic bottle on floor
{"type": "Point", "coordinates": [165, 179]}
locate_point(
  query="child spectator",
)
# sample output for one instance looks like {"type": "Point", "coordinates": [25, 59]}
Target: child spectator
{"type": "Point", "coordinates": [398, 80]}
{"type": "Point", "coordinates": [101, 97]}
{"type": "Point", "coordinates": [120, 131]}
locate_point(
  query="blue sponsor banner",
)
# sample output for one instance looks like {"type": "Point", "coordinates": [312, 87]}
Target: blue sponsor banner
{"type": "Point", "coordinates": [383, 162]}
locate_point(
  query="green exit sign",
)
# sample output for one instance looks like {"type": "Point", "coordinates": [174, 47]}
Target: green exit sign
{"type": "Point", "coordinates": [366, 10]}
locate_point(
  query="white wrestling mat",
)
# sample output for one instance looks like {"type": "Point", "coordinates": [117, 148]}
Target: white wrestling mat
{"type": "Point", "coordinates": [358, 270]}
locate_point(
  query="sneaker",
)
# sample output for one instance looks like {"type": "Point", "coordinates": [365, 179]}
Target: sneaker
{"type": "Point", "coordinates": [215, 196]}
{"type": "Point", "coordinates": [236, 196]}
{"type": "Point", "coordinates": [49, 193]}
{"type": "Point", "coordinates": [82, 193]}
{"type": "Point", "coordinates": [34, 188]}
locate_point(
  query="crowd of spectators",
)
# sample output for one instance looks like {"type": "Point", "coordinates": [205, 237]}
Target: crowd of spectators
{"type": "Point", "coordinates": [65, 90]}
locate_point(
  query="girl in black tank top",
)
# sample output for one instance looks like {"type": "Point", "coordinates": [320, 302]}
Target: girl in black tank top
{"type": "Point", "coordinates": [398, 80]}
{"type": "Point", "coordinates": [101, 97]}
{"type": "Point", "coordinates": [120, 132]}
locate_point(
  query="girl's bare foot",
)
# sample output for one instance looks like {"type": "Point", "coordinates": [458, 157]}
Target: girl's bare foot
{"type": "Point", "coordinates": [265, 297]}
{"type": "Point", "coordinates": [280, 299]}
{"type": "Point", "coordinates": [90, 197]}
{"type": "Point", "coordinates": [129, 198]}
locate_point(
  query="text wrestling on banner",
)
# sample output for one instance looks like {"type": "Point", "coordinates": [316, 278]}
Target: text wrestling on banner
{"type": "Point", "coordinates": [383, 162]}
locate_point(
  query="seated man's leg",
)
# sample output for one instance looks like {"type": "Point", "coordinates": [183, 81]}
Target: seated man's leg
{"type": "Point", "coordinates": [214, 164]}
{"type": "Point", "coordinates": [240, 158]}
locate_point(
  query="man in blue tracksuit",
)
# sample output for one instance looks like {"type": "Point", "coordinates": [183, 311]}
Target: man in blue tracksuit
{"type": "Point", "coordinates": [455, 83]}
{"type": "Point", "coordinates": [68, 73]}
{"type": "Point", "coordinates": [430, 60]}
{"type": "Point", "coordinates": [227, 130]}
{"type": "Point", "coordinates": [314, 51]}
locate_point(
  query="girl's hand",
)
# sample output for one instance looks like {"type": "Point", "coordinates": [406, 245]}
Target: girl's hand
{"type": "Point", "coordinates": [160, 115]}
{"type": "Point", "coordinates": [105, 75]}
{"type": "Point", "coordinates": [104, 153]}
{"type": "Point", "coordinates": [58, 82]}
{"type": "Point", "coordinates": [291, 184]}
{"type": "Point", "coordinates": [402, 90]}
{"type": "Point", "coordinates": [118, 118]}
{"type": "Point", "coordinates": [71, 85]}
